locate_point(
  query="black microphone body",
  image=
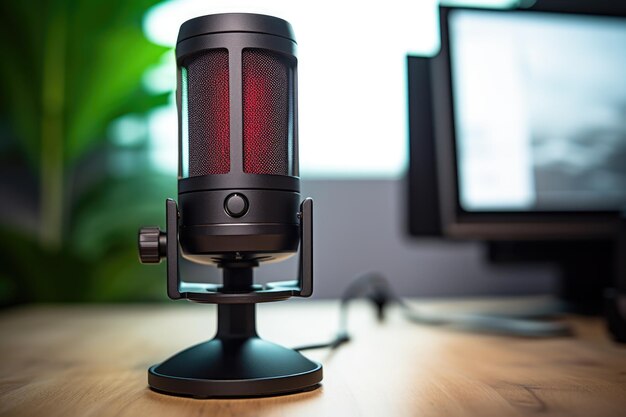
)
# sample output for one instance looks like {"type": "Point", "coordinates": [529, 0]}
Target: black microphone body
{"type": "Point", "coordinates": [238, 204]}
{"type": "Point", "coordinates": [239, 191]}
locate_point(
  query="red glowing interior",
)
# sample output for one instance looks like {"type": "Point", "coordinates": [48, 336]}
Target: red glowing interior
{"type": "Point", "coordinates": [266, 113]}
{"type": "Point", "coordinates": [209, 114]}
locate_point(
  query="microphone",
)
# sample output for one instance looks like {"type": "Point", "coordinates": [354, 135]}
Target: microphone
{"type": "Point", "coordinates": [239, 198]}
{"type": "Point", "coordinates": [239, 188]}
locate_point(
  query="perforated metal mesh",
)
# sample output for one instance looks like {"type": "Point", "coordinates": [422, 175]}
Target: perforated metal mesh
{"type": "Point", "coordinates": [267, 113]}
{"type": "Point", "coordinates": [209, 113]}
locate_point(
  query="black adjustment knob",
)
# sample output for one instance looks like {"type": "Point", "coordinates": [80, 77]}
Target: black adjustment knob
{"type": "Point", "coordinates": [152, 245]}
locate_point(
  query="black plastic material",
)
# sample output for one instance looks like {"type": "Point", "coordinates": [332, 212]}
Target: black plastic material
{"type": "Point", "coordinates": [214, 243]}
{"type": "Point", "coordinates": [214, 293]}
{"type": "Point", "coordinates": [214, 369]}
{"type": "Point", "coordinates": [268, 230]}
{"type": "Point", "coordinates": [151, 244]}
{"type": "Point", "coordinates": [236, 205]}
{"type": "Point", "coordinates": [236, 22]}
{"type": "Point", "coordinates": [615, 313]}
{"type": "Point", "coordinates": [503, 225]}
{"type": "Point", "coordinates": [238, 180]}
{"type": "Point", "coordinates": [615, 297]}
{"type": "Point", "coordinates": [171, 219]}
{"type": "Point", "coordinates": [236, 362]}
{"type": "Point", "coordinates": [422, 182]}
{"type": "Point", "coordinates": [584, 267]}
{"type": "Point", "coordinates": [305, 266]}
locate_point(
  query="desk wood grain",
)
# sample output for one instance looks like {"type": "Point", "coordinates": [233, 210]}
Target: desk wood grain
{"type": "Point", "coordinates": [92, 361]}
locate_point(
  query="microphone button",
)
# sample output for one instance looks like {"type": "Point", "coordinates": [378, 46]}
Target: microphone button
{"type": "Point", "coordinates": [236, 205]}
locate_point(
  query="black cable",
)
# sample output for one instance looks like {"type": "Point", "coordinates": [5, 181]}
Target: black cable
{"type": "Point", "coordinates": [494, 321]}
{"type": "Point", "coordinates": [362, 286]}
{"type": "Point", "coordinates": [376, 288]}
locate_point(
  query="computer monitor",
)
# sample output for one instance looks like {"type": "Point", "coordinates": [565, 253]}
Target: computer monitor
{"type": "Point", "coordinates": [530, 114]}
{"type": "Point", "coordinates": [518, 133]}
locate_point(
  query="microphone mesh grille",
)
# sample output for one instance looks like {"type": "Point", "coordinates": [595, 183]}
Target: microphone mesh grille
{"type": "Point", "coordinates": [267, 113]}
{"type": "Point", "coordinates": [209, 113]}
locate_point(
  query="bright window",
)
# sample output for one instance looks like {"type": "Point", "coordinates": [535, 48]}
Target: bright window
{"type": "Point", "coordinates": [351, 78]}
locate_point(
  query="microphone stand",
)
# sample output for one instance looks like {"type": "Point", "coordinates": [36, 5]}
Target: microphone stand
{"type": "Point", "coordinates": [236, 362]}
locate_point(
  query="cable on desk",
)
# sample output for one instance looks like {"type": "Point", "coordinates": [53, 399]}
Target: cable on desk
{"type": "Point", "coordinates": [376, 288]}
{"type": "Point", "coordinates": [364, 286]}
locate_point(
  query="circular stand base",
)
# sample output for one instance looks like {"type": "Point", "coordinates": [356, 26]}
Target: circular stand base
{"type": "Point", "coordinates": [244, 367]}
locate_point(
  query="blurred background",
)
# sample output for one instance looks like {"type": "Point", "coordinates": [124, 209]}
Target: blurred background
{"type": "Point", "coordinates": [88, 148]}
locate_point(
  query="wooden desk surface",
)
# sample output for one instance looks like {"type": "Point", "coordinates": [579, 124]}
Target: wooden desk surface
{"type": "Point", "coordinates": [92, 361]}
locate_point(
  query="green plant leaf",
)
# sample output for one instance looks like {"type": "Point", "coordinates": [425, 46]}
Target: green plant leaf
{"type": "Point", "coordinates": [69, 69]}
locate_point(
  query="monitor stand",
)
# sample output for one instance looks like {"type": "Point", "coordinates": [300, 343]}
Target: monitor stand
{"type": "Point", "coordinates": [593, 273]}
{"type": "Point", "coordinates": [586, 267]}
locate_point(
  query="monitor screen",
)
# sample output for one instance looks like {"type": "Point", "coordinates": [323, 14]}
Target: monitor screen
{"type": "Point", "coordinates": [539, 104]}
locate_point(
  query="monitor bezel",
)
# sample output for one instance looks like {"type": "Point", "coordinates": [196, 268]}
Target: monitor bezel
{"type": "Point", "coordinates": [509, 224]}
